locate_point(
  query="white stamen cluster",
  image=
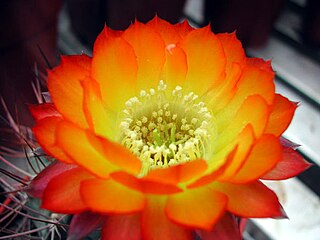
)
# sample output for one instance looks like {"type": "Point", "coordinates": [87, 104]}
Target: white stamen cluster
{"type": "Point", "coordinates": [165, 128]}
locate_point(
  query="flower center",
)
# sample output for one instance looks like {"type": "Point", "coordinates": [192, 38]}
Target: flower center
{"type": "Point", "coordinates": [164, 128]}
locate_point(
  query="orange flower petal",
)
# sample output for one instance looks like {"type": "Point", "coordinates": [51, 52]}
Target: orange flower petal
{"type": "Point", "coordinates": [65, 188]}
{"type": "Point", "coordinates": [45, 133]}
{"type": "Point", "coordinates": [212, 176]}
{"type": "Point", "coordinates": [263, 157]}
{"type": "Point", "coordinates": [281, 115]}
{"type": "Point", "coordinates": [114, 67]}
{"type": "Point", "coordinates": [122, 227]}
{"type": "Point", "coordinates": [120, 156]}
{"type": "Point", "coordinates": [156, 226]}
{"type": "Point", "coordinates": [180, 173]}
{"type": "Point", "coordinates": [183, 28]}
{"type": "Point", "coordinates": [244, 143]}
{"type": "Point", "coordinates": [225, 229]}
{"type": "Point", "coordinates": [108, 196]}
{"type": "Point", "coordinates": [175, 68]}
{"type": "Point", "coordinates": [206, 69]}
{"type": "Point", "coordinates": [248, 86]}
{"type": "Point", "coordinates": [291, 164]}
{"type": "Point", "coordinates": [196, 208]}
{"type": "Point", "coordinates": [167, 31]}
{"type": "Point", "coordinates": [232, 48]}
{"type": "Point", "coordinates": [43, 110]}
{"type": "Point", "coordinates": [254, 111]}
{"type": "Point", "coordinates": [82, 148]}
{"type": "Point", "coordinates": [65, 89]}
{"type": "Point", "coordinates": [251, 200]}
{"type": "Point", "coordinates": [149, 48]}
{"type": "Point", "coordinates": [144, 185]}
{"type": "Point", "coordinates": [99, 120]}
{"type": "Point", "coordinates": [219, 97]}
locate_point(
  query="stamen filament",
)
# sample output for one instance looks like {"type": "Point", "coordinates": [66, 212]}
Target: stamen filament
{"type": "Point", "coordinates": [165, 129]}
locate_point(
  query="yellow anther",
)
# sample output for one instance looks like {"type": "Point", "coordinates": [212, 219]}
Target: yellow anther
{"type": "Point", "coordinates": [164, 129]}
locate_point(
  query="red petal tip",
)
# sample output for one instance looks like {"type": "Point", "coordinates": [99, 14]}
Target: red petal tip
{"type": "Point", "coordinates": [83, 224]}
{"type": "Point", "coordinates": [287, 143]}
{"type": "Point", "coordinates": [283, 214]}
{"type": "Point", "coordinates": [40, 182]}
{"type": "Point", "coordinates": [40, 111]}
{"type": "Point", "coordinates": [296, 103]}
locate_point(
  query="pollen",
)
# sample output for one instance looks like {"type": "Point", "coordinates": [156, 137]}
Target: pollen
{"type": "Point", "coordinates": [165, 127]}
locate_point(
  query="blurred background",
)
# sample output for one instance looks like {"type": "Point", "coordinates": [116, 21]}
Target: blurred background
{"type": "Point", "coordinates": [35, 32]}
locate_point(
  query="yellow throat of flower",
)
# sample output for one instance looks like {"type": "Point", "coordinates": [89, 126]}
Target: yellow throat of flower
{"type": "Point", "coordinates": [164, 128]}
